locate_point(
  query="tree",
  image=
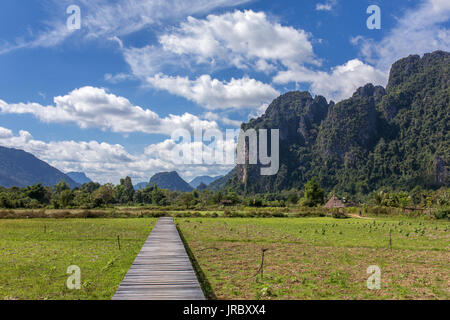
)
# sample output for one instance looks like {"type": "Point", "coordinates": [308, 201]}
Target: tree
{"type": "Point", "coordinates": [37, 192]}
{"type": "Point", "coordinates": [82, 199]}
{"type": "Point", "coordinates": [403, 199]}
{"type": "Point", "coordinates": [186, 198]}
{"type": "Point", "coordinates": [125, 191]}
{"type": "Point", "coordinates": [66, 198]}
{"type": "Point", "coordinates": [61, 186]}
{"type": "Point", "coordinates": [147, 194]}
{"type": "Point", "coordinates": [232, 196]}
{"type": "Point", "coordinates": [90, 187]}
{"type": "Point", "coordinates": [314, 194]}
{"type": "Point", "coordinates": [378, 197]}
{"type": "Point", "coordinates": [293, 197]}
{"type": "Point", "coordinates": [158, 197]}
{"type": "Point", "coordinates": [103, 195]}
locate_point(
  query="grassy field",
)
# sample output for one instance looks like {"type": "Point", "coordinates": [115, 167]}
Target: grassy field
{"type": "Point", "coordinates": [320, 258]}
{"type": "Point", "coordinates": [35, 254]}
{"type": "Point", "coordinates": [307, 258]}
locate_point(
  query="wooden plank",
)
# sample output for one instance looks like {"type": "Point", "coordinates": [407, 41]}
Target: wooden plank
{"type": "Point", "coordinates": [162, 269]}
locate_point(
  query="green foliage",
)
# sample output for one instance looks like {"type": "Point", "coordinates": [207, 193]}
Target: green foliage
{"type": "Point", "coordinates": [395, 138]}
{"type": "Point", "coordinates": [124, 192]}
{"type": "Point", "coordinates": [61, 186]}
{"type": "Point", "coordinates": [293, 197]}
{"type": "Point", "coordinates": [314, 195]}
{"type": "Point", "coordinates": [186, 199]}
{"type": "Point", "coordinates": [66, 198]}
{"type": "Point", "coordinates": [103, 195]}
{"type": "Point", "coordinates": [443, 213]}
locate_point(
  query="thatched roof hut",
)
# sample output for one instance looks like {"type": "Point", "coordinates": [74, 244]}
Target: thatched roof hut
{"type": "Point", "coordinates": [334, 202]}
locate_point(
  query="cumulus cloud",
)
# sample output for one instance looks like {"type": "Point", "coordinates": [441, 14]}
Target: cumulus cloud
{"type": "Point", "coordinates": [91, 107]}
{"type": "Point", "coordinates": [104, 162]}
{"type": "Point", "coordinates": [214, 116]}
{"type": "Point", "coordinates": [420, 30]}
{"type": "Point", "coordinates": [340, 82]}
{"type": "Point", "coordinates": [241, 39]}
{"type": "Point", "coordinates": [215, 94]}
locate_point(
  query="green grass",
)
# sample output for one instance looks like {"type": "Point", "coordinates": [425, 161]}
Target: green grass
{"type": "Point", "coordinates": [35, 254]}
{"type": "Point", "coordinates": [321, 258]}
{"type": "Point", "coordinates": [307, 258]}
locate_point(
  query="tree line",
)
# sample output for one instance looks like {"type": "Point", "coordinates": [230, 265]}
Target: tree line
{"type": "Point", "coordinates": [94, 195]}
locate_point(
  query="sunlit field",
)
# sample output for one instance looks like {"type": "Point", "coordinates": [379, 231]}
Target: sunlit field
{"type": "Point", "coordinates": [320, 258]}
{"type": "Point", "coordinates": [35, 255]}
{"type": "Point", "coordinates": [306, 258]}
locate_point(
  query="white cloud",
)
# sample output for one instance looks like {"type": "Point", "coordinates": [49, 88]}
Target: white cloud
{"type": "Point", "coordinates": [57, 32]}
{"type": "Point", "coordinates": [323, 7]}
{"type": "Point", "coordinates": [91, 107]}
{"type": "Point", "coordinates": [149, 60]}
{"type": "Point", "coordinates": [107, 20]}
{"type": "Point", "coordinates": [119, 77]}
{"type": "Point", "coordinates": [338, 84]}
{"type": "Point", "coordinates": [213, 116]}
{"type": "Point", "coordinates": [105, 162]}
{"type": "Point", "coordinates": [215, 94]}
{"type": "Point", "coordinates": [241, 39]}
{"type": "Point", "coordinates": [418, 31]}
{"type": "Point", "coordinates": [258, 112]}
{"type": "Point", "coordinates": [326, 6]}
{"type": "Point", "coordinates": [164, 152]}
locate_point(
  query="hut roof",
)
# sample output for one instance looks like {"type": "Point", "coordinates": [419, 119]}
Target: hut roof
{"type": "Point", "coordinates": [334, 202]}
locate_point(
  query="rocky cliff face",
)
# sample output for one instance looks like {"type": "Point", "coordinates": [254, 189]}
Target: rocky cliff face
{"type": "Point", "coordinates": [298, 116]}
{"type": "Point", "coordinates": [351, 123]}
{"type": "Point", "coordinates": [398, 137]}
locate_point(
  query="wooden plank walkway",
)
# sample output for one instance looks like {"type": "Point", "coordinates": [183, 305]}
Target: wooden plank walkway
{"type": "Point", "coordinates": [162, 269]}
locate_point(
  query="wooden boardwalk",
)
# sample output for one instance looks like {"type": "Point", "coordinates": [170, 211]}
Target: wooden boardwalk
{"type": "Point", "coordinates": [162, 269]}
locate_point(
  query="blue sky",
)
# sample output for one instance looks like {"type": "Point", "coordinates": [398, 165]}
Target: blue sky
{"type": "Point", "coordinates": [104, 99]}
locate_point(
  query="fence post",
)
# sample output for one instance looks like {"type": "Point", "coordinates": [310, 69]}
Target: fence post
{"type": "Point", "coordinates": [262, 263]}
{"type": "Point", "coordinates": [390, 239]}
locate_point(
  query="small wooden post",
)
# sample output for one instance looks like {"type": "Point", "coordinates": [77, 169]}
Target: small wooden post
{"type": "Point", "coordinates": [45, 228]}
{"type": "Point", "coordinates": [390, 239]}
{"type": "Point", "coordinates": [262, 262]}
{"type": "Point", "coordinates": [118, 241]}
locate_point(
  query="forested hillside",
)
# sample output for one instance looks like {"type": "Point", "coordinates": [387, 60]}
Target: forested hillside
{"type": "Point", "coordinates": [394, 138]}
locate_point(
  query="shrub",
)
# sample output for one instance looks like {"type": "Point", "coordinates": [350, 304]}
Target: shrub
{"type": "Point", "coordinates": [338, 215]}
{"type": "Point", "coordinates": [443, 213]}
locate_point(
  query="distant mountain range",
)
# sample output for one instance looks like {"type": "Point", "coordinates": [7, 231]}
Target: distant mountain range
{"type": "Point", "coordinates": [20, 169]}
{"type": "Point", "coordinates": [222, 181]}
{"type": "Point", "coordinates": [171, 181]}
{"type": "Point", "coordinates": [79, 177]}
{"type": "Point", "coordinates": [203, 179]}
